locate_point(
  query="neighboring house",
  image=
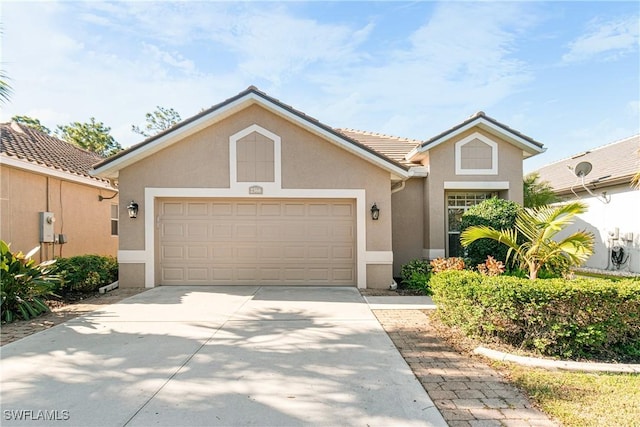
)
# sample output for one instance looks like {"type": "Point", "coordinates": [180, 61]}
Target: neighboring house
{"type": "Point", "coordinates": [46, 192]}
{"type": "Point", "coordinates": [252, 191]}
{"type": "Point", "coordinates": [613, 203]}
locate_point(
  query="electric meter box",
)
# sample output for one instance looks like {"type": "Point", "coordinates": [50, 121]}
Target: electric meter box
{"type": "Point", "coordinates": [46, 227]}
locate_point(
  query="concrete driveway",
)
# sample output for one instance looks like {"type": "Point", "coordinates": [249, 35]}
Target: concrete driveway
{"type": "Point", "coordinates": [209, 356]}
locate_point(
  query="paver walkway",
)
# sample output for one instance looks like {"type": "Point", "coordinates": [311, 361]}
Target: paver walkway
{"type": "Point", "coordinates": [467, 392]}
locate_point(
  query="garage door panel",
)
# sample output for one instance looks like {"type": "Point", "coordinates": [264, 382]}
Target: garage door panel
{"type": "Point", "coordinates": [173, 252]}
{"type": "Point", "coordinates": [318, 253]}
{"type": "Point", "coordinates": [294, 209]}
{"type": "Point", "coordinates": [198, 252]}
{"type": "Point", "coordinates": [319, 209]}
{"type": "Point", "coordinates": [197, 209]}
{"type": "Point", "coordinates": [222, 231]}
{"type": "Point", "coordinates": [270, 209]}
{"type": "Point", "coordinates": [342, 210]}
{"type": "Point", "coordinates": [198, 231]}
{"type": "Point", "coordinates": [343, 274]}
{"type": "Point", "coordinates": [172, 274]}
{"type": "Point", "coordinates": [246, 232]}
{"type": "Point", "coordinates": [246, 209]}
{"type": "Point", "coordinates": [198, 274]}
{"type": "Point", "coordinates": [172, 208]}
{"type": "Point", "coordinates": [173, 230]}
{"type": "Point", "coordinates": [262, 241]}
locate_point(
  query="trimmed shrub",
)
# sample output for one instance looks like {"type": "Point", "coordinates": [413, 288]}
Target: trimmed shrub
{"type": "Point", "coordinates": [86, 273]}
{"type": "Point", "coordinates": [496, 213]}
{"type": "Point", "coordinates": [415, 275]}
{"type": "Point", "coordinates": [23, 284]}
{"type": "Point", "coordinates": [555, 317]}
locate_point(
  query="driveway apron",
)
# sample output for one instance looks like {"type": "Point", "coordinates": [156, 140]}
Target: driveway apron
{"type": "Point", "coordinates": [215, 356]}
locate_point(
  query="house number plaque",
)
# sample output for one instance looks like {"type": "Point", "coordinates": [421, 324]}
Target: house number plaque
{"type": "Point", "coordinates": [255, 189]}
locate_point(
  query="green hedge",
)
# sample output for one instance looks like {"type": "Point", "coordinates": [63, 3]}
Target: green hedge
{"type": "Point", "coordinates": [556, 317]}
{"type": "Point", "coordinates": [86, 273]}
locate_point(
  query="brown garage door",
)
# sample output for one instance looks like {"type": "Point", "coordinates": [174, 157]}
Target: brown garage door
{"type": "Point", "coordinates": [237, 241]}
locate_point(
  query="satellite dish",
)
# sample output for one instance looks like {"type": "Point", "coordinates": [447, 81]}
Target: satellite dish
{"type": "Point", "coordinates": [582, 169]}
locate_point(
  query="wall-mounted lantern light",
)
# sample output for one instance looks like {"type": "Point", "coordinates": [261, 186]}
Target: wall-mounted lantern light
{"type": "Point", "coordinates": [375, 212]}
{"type": "Point", "coordinates": [132, 209]}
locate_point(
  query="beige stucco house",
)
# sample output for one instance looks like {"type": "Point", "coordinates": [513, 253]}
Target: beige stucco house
{"type": "Point", "coordinates": [46, 192]}
{"type": "Point", "coordinates": [253, 191]}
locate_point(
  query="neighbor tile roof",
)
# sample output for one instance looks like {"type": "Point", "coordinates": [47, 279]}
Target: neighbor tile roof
{"type": "Point", "coordinates": [611, 164]}
{"type": "Point", "coordinates": [32, 146]}
{"type": "Point", "coordinates": [393, 147]}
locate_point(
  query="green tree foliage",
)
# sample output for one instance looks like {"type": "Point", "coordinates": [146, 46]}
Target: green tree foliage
{"type": "Point", "coordinates": [498, 214]}
{"type": "Point", "coordinates": [537, 227]}
{"type": "Point", "coordinates": [93, 136]}
{"type": "Point", "coordinates": [32, 123]}
{"type": "Point", "coordinates": [536, 192]}
{"type": "Point", "coordinates": [159, 120]}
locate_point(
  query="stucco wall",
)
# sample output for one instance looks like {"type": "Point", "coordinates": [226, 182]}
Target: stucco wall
{"type": "Point", "coordinates": [308, 162]}
{"type": "Point", "coordinates": [408, 223]}
{"type": "Point", "coordinates": [442, 169]}
{"type": "Point", "coordinates": [79, 215]}
{"type": "Point", "coordinates": [602, 219]}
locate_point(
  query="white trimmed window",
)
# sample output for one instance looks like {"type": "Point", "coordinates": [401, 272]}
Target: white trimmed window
{"type": "Point", "coordinates": [114, 220]}
{"type": "Point", "coordinates": [476, 155]}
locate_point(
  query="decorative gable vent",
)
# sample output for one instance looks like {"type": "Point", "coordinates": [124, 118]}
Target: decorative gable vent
{"type": "Point", "coordinates": [476, 155]}
{"type": "Point", "coordinates": [254, 157]}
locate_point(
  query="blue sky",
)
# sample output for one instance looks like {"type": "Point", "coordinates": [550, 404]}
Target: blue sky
{"type": "Point", "coordinates": [565, 73]}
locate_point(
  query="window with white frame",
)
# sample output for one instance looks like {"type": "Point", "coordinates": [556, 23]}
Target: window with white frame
{"type": "Point", "coordinates": [457, 205]}
{"type": "Point", "coordinates": [114, 220]}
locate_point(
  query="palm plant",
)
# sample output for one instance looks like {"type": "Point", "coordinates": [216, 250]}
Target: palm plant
{"type": "Point", "coordinates": [537, 227]}
{"type": "Point", "coordinates": [536, 192]}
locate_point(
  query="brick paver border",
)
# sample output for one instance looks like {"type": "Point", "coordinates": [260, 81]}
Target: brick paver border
{"type": "Point", "coordinates": [466, 391]}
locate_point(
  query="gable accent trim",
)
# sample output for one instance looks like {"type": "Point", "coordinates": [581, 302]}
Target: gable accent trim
{"type": "Point", "coordinates": [494, 156]}
{"type": "Point", "coordinates": [233, 160]}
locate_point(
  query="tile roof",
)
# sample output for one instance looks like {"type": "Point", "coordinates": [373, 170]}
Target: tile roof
{"type": "Point", "coordinates": [32, 146]}
{"type": "Point", "coordinates": [477, 115]}
{"type": "Point", "coordinates": [612, 164]}
{"type": "Point", "coordinates": [255, 91]}
{"type": "Point", "coordinates": [393, 147]}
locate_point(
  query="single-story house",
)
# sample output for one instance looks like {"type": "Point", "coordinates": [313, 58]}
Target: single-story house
{"type": "Point", "coordinates": [601, 178]}
{"type": "Point", "coordinates": [49, 199]}
{"type": "Point", "coordinates": [253, 191]}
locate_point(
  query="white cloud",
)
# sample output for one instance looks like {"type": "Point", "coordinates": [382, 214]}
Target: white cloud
{"type": "Point", "coordinates": [605, 40]}
{"type": "Point", "coordinates": [274, 45]}
{"type": "Point", "coordinates": [463, 59]}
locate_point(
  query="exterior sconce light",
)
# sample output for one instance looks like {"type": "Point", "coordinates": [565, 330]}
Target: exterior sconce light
{"type": "Point", "coordinates": [375, 212]}
{"type": "Point", "coordinates": [132, 209]}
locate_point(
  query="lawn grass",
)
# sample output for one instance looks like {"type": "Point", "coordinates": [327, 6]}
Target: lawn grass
{"type": "Point", "coordinates": [581, 399]}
